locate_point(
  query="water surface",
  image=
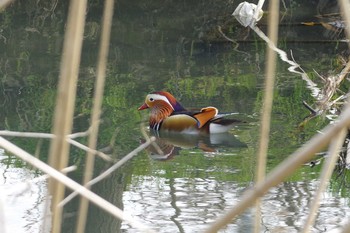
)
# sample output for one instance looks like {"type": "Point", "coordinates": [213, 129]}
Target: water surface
{"type": "Point", "coordinates": [200, 178]}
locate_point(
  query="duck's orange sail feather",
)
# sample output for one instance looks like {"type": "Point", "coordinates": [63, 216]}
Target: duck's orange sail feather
{"type": "Point", "coordinates": [205, 115]}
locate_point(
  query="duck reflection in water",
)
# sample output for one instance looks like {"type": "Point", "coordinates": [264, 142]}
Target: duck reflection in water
{"type": "Point", "coordinates": [169, 144]}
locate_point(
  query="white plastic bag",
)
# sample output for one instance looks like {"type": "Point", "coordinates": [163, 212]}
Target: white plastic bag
{"type": "Point", "coordinates": [245, 14]}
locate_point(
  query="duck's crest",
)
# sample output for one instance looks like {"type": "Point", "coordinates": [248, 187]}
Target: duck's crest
{"type": "Point", "coordinates": [176, 105]}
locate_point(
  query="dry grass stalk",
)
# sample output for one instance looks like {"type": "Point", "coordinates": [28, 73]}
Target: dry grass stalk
{"type": "Point", "coordinates": [324, 97]}
{"type": "Point", "coordinates": [331, 85]}
{"type": "Point", "coordinates": [39, 135]}
{"type": "Point", "coordinates": [258, 8]}
{"type": "Point", "coordinates": [111, 169]}
{"type": "Point", "coordinates": [346, 228]}
{"type": "Point", "coordinates": [344, 9]}
{"type": "Point", "coordinates": [65, 101]}
{"type": "Point", "coordinates": [26, 134]}
{"type": "Point", "coordinates": [97, 200]}
{"type": "Point", "coordinates": [344, 6]}
{"type": "Point", "coordinates": [2, 217]}
{"type": "Point", "coordinates": [20, 188]}
{"type": "Point", "coordinates": [148, 138]}
{"type": "Point", "coordinates": [285, 169]}
{"type": "Point", "coordinates": [96, 110]}
{"type": "Point", "coordinates": [267, 103]}
{"type": "Point", "coordinates": [90, 150]}
{"type": "Point", "coordinates": [4, 4]}
{"type": "Point", "coordinates": [326, 174]}
{"type": "Point", "coordinates": [79, 134]}
{"type": "Point", "coordinates": [51, 136]}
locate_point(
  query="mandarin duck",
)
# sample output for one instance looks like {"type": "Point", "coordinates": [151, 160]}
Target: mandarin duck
{"type": "Point", "coordinates": [167, 114]}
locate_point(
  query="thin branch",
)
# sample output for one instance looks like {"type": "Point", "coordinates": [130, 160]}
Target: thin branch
{"type": "Point", "coordinates": [326, 173]}
{"type": "Point", "coordinates": [92, 151]}
{"type": "Point", "coordinates": [284, 170]}
{"type": "Point", "coordinates": [20, 188]}
{"type": "Point", "coordinates": [26, 134]}
{"type": "Point", "coordinates": [40, 135]}
{"type": "Point", "coordinates": [94, 198]}
{"type": "Point", "coordinates": [145, 135]}
{"type": "Point", "coordinates": [227, 38]}
{"type": "Point", "coordinates": [312, 111]}
{"type": "Point", "coordinates": [109, 170]}
{"type": "Point", "coordinates": [80, 134]}
{"type": "Point", "coordinates": [69, 139]}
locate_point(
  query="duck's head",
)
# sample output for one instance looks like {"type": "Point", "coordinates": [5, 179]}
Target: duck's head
{"type": "Point", "coordinates": [161, 100]}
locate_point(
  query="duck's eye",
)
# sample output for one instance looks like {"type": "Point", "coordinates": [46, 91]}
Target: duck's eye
{"type": "Point", "coordinates": [151, 99]}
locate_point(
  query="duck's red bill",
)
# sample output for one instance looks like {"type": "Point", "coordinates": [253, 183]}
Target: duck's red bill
{"type": "Point", "coordinates": [144, 106]}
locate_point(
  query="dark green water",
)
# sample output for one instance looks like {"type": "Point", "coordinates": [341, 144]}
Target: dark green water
{"type": "Point", "coordinates": [175, 47]}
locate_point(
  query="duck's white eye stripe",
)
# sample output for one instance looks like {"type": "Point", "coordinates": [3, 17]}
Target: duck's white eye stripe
{"type": "Point", "coordinates": [153, 97]}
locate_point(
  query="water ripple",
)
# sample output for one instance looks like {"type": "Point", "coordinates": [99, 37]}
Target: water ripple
{"type": "Point", "coordinates": [190, 204]}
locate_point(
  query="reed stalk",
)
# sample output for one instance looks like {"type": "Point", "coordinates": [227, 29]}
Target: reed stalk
{"type": "Point", "coordinates": [346, 228]}
{"type": "Point", "coordinates": [268, 92]}
{"type": "Point", "coordinates": [65, 102]}
{"type": "Point", "coordinates": [112, 169]}
{"type": "Point", "coordinates": [63, 179]}
{"type": "Point", "coordinates": [63, 120]}
{"type": "Point", "coordinates": [273, 22]}
{"type": "Point", "coordinates": [51, 136]}
{"type": "Point", "coordinates": [258, 8]}
{"type": "Point", "coordinates": [326, 174]}
{"type": "Point", "coordinates": [284, 169]}
{"type": "Point", "coordinates": [344, 6]}
{"type": "Point", "coordinates": [2, 217]}
{"type": "Point", "coordinates": [90, 150]}
{"type": "Point", "coordinates": [26, 134]}
{"type": "Point", "coordinates": [96, 109]}
{"type": "Point", "coordinates": [4, 4]}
